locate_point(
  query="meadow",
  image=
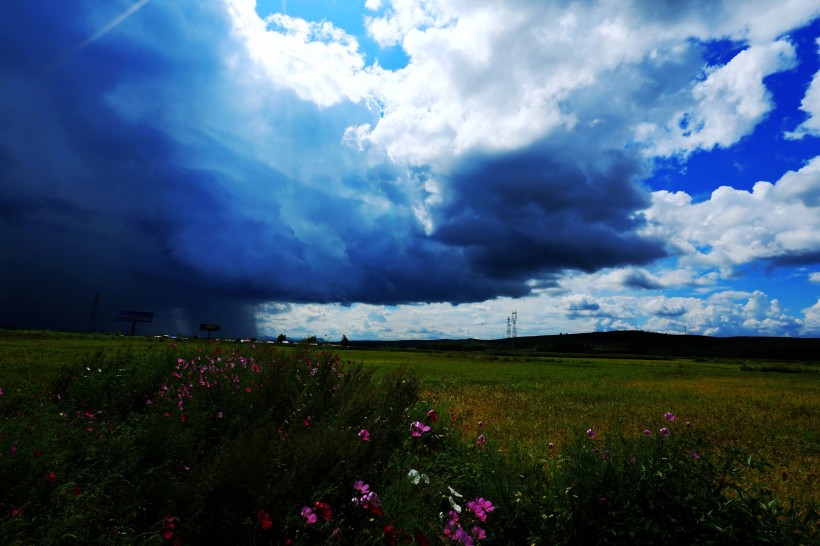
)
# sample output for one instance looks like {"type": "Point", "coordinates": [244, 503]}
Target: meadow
{"type": "Point", "coordinates": [111, 440]}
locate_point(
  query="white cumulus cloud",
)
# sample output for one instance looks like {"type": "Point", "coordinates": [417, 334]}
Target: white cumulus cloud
{"type": "Point", "coordinates": [811, 105]}
{"type": "Point", "coordinates": [773, 221]}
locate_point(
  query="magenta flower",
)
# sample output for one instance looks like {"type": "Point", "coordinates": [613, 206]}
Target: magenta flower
{"type": "Point", "coordinates": [480, 507]}
{"type": "Point", "coordinates": [308, 514]}
{"type": "Point", "coordinates": [481, 424]}
{"type": "Point", "coordinates": [647, 432]}
{"type": "Point", "coordinates": [665, 432]}
{"type": "Point", "coordinates": [591, 434]}
{"type": "Point", "coordinates": [550, 445]}
{"type": "Point", "coordinates": [364, 435]}
{"type": "Point", "coordinates": [360, 486]}
{"type": "Point", "coordinates": [688, 424]}
{"type": "Point", "coordinates": [669, 416]}
{"type": "Point", "coordinates": [695, 455]}
{"type": "Point", "coordinates": [432, 415]}
{"type": "Point", "coordinates": [463, 537]}
{"type": "Point", "coordinates": [417, 428]}
{"type": "Point", "coordinates": [481, 440]}
{"type": "Point", "coordinates": [478, 532]}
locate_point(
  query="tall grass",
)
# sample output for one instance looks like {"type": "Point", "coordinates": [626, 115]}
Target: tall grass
{"type": "Point", "coordinates": [236, 444]}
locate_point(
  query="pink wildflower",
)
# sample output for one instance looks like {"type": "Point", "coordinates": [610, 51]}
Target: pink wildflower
{"type": "Point", "coordinates": [432, 415]}
{"type": "Point", "coordinates": [168, 528]}
{"type": "Point", "coordinates": [478, 532]}
{"type": "Point", "coordinates": [481, 440]}
{"type": "Point", "coordinates": [591, 434]}
{"type": "Point", "coordinates": [364, 435]}
{"type": "Point", "coordinates": [480, 507]}
{"type": "Point", "coordinates": [669, 416]}
{"type": "Point", "coordinates": [308, 514]}
{"type": "Point", "coordinates": [417, 428]}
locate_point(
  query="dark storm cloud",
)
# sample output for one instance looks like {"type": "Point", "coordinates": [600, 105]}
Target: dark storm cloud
{"type": "Point", "coordinates": [545, 209]}
{"type": "Point", "coordinates": [83, 195]}
{"type": "Point", "coordinates": [118, 177]}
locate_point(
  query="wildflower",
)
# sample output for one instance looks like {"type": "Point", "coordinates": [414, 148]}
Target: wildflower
{"type": "Point", "coordinates": [389, 534]}
{"type": "Point", "coordinates": [478, 532]}
{"type": "Point", "coordinates": [38, 453]}
{"type": "Point", "coordinates": [364, 435]}
{"type": "Point", "coordinates": [695, 455]}
{"type": "Point", "coordinates": [550, 446]}
{"type": "Point", "coordinates": [360, 486]}
{"type": "Point", "coordinates": [481, 424]}
{"type": "Point", "coordinates": [664, 432]}
{"type": "Point", "coordinates": [452, 524]}
{"type": "Point", "coordinates": [415, 477]}
{"type": "Point", "coordinates": [168, 525]}
{"type": "Point", "coordinates": [51, 476]}
{"type": "Point", "coordinates": [308, 514]}
{"type": "Point", "coordinates": [481, 440]}
{"type": "Point", "coordinates": [219, 415]}
{"type": "Point", "coordinates": [264, 519]}
{"type": "Point", "coordinates": [322, 510]}
{"type": "Point", "coordinates": [432, 415]}
{"type": "Point", "coordinates": [16, 512]}
{"type": "Point", "coordinates": [307, 421]}
{"type": "Point", "coordinates": [669, 416]}
{"type": "Point", "coordinates": [591, 434]}
{"type": "Point", "coordinates": [646, 432]}
{"type": "Point", "coordinates": [454, 506]}
{"type": "Point", "coordinates": [688, 424]}
{"type": "Point", "coordinates": [480, 507]}
{"type": "Point", "coordinates": [1, 391]}
{"type": "Point", "coordinates": [463, 537]}
{"type": "Point", "coordinates": [417, 428]}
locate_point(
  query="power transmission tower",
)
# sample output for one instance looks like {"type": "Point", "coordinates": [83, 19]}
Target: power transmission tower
{"type": "Point", "coordinates": [514, 320]}
{"type": "Point", "coordinates": [509, 335]}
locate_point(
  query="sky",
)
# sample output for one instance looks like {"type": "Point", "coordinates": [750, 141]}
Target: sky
{"type": "Point", "coordinates": [411, 169]}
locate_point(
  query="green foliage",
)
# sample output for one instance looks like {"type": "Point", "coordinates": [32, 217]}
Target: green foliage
{"type": "Point", "coordinates": [241, 444]}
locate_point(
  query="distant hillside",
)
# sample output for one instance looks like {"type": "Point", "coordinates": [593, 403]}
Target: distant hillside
{"type": "Point", "coordinates": [627, 343]}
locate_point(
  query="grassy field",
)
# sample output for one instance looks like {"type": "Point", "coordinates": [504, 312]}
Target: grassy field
{"type": "Point", "coordinates": [534, 408]}
{"type": "Point", "coordinates": [527, 402]}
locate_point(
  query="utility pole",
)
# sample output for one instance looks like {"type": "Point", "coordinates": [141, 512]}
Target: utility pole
{"type": "Point", "coordinates": [92, 322]}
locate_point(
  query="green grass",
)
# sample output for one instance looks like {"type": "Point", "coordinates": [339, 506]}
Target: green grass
{"type": "Point", "coordinates": [531, 401]}
{"type": "Point", "coordinates": [79, 403]}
